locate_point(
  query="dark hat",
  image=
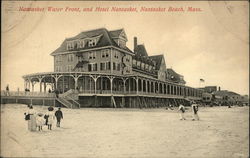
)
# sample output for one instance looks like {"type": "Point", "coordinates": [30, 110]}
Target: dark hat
{"type": "Point", "coordinates": [50, 108]}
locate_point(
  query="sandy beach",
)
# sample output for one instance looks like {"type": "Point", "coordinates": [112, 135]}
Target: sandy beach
{"type": "Point", "coordinates": [221, 132]}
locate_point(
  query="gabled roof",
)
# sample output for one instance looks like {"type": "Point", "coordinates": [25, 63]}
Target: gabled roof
{"type": "Point", "coordinates": [175, 76]}
{"type": "Point", "coordinates": [225, 93]}
{"type": "Point", "coordinates": [171, 71]}
{"type": "Point", "coordinates": [140, 50]}
{"type": "Point", "coordinates": [158, 60]}
{"type": "Point", "coordinates": [115, 33]}
{"type": "Point", "coordinates": [105, 40]}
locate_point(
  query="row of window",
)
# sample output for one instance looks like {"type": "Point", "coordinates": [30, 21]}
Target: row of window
{"type": "Point", "coordinates": [143, 66]}
{"type": "Point", "coordinates": [104, 66]}
{"type": "Point", "coordinates": [91, 55]}
{"type": "Point", "coordinates": [69, 68]}
{"type": "Point", "coordinates": [104, 54]}
{"type": "Point", "coordinates": [59, 58]}
{"type": "Point", "coordinates": [76, 44]}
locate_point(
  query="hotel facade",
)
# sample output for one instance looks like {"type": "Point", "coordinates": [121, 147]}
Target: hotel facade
{"type": "Point", "coordinates": [96, 69]}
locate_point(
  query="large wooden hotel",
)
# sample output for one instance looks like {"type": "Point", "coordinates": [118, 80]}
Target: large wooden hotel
{"type": "Point", "coordinates": [96, 69]}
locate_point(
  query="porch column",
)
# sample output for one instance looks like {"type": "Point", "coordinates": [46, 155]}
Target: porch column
{"type": "Point", "coordinates": [136, 85]}
{"type": "Point", "coordinates": [141, 85]}
{"type": "Point", "coordinates": [170, 89]}
{"type": "Point", "coordinates": [40, 83]}
{"type": "Point", "coordinates": [75, 78]}
{"type": "Point", "coordinates": [29, 84]}
{"type": "Point", "coordinates": [124, 85]}
{"type": "Point", "coordinates": [32, 83]}
{"type": "Point", "coordinates": [149, 87]}
{"type": "Point", "coordinates": [111, 84]}
{"type": "Point", "coordinates": [44, 84]}
{"type": "Point", "coordinates": [56, 80]}
{"type": "Point", "coordinates": [153, 87]}
{"type": "Point", "coordinates": [129, 85]}
{"type": "Point", "coordinates": [95, 79]}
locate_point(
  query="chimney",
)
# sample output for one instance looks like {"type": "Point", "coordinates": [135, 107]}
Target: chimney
{"type": "Point", "coordinates": [135, 42]}
{"type": "Point", "coordinates": [219, 88]}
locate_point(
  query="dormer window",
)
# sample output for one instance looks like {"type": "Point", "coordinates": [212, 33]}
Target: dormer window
{"type": "Point", "coordinates": [70, 45]}
{"type": "Point", "coordinates": [80, 44]}
{"type": "Point", "coordinates": [92, 42]}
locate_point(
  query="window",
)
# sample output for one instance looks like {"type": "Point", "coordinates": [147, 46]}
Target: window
{"type": "Point", "coordinates": [134, 62]}
{"type": "Point", "coordinates": [92, 67]}
{"type": "Point", "coordinates": [92, 42]}
{"type": "Point", "coordinates": [70, 45]}
{"type": "Point", "coordinates": [89, 67]}
{"type": "Point", "coordinates": [116, 54]}
{"type": "Point", "coordinates": [142, 66]}
{"type": "Point", "coordinates": [80, 58]}
{"type": "Point", "coordinates": [103, 66]}
{"type": "Point", "coordinates": [80, 43]}
{"type": "Point", "coordinates": [108, 65]}
{"type": "Point", "coordinates": [95, 67]}
{"type": "Point", "coordinates": [121, 43]}
{"type": "Point", "coordinates": [105, 53]}
{"type": "Point", "coordinates": [57, 68]}
{"type": "Point", "coordinates": [58, 58]}
{"type": "Point", "coordinates": [138, 63]}
{"type": "Point", "coordinates": [69, 68]}
{"type": "Point", "coordinates": [92, 55]}
{"type": "Point", "coordinates": [127, 59]}
{"type": "Point", "coordinates": [70, 57]}
{"type": "Point", "coordinates": [118, 67]}
{"type": "Point", "coordinates": [114, 66]}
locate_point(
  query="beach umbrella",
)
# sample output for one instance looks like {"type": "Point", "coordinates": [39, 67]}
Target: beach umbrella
{"type": "Point", "coordinates": [50, 108]}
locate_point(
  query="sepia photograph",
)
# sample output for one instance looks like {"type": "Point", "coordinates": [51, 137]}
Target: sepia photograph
{"type": "Point", "coordinates": [130, 79]}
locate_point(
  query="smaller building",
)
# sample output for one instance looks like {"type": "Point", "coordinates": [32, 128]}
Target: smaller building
{"type": "Point", "coordinates": [228, 97]}
{"type": "Point", "coordinates": [209, 89]}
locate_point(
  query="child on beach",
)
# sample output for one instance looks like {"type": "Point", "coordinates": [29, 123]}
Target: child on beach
{"type": "Point", "coordinates": [51, 117]}
{"type": "Point", "coordinates": [40, 121]}
{"type": "Point", "coordinates": [182, 111]}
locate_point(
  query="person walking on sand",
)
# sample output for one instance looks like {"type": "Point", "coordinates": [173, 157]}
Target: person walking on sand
{"type": "Point", "coordinates": [181, 110]}
{"type": "Point", "coordinates": [51, 117]}
{"type": "Point", "coordinates": [195, 111]}
{"type": "Point", "coordinates": [59, 116]}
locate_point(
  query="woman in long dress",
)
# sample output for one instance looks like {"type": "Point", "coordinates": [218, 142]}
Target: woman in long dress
{"type": "Point", "coordinates": [32, 119]}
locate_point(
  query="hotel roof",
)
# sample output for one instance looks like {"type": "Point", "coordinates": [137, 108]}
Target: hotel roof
{"type": "Point", "coordinates": [106, 39]}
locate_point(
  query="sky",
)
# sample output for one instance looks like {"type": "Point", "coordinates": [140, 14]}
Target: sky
{"type": "Point", "coordinates": [211, 44]}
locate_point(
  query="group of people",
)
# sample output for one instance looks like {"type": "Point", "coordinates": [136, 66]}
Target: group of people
{"type": "Point", "coordinates": [194, 108]}
{"type": "Point", "coordinates": [38, 120]}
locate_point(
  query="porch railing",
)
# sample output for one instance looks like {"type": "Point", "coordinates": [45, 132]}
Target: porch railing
{"type": "Point", "coordinates": [22, 93]}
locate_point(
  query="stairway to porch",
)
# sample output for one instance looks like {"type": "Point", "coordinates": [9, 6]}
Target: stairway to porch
{"type": "Point", "coordinates": [69, 99]}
